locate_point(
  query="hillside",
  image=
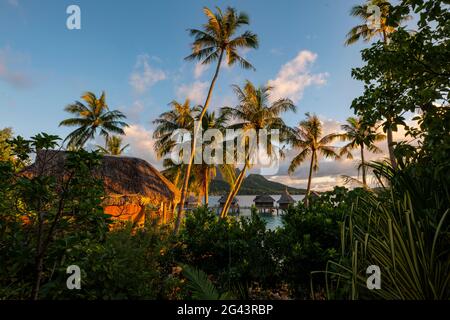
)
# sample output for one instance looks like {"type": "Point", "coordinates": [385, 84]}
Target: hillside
{"type": "Point", "coordinates": [254, 184]}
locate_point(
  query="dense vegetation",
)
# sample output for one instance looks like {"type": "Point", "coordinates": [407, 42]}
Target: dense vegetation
{"type": "Point", "coordinates": [321, 251]}
{"type": "Point", "coordinates": [324, 246]}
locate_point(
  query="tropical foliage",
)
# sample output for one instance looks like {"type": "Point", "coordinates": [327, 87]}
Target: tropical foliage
{"type": "Point", "coordinates": [217, 40]}
{"type": "Point", "coordinates": [46, 217]}
{"type": "Point", "coordinates": [113, 146]}
{"type": "Point", "coordinates": [308, 138]}
{"type": "Point", "coordinates": [93, 118]}
{"type": "Point", "coordinates": [324, 245]}
{"type": "Point", "coordinates": [360, 135]}
{"type": "Point", "coordinates": [170, 134]}
{"type": "Point", "coordinates": [403, 233]}
{"type": "Point", "coordinates": [256, 112]}
{"type": "Point", "coordinates": [385, 26]}
{"type": "Point", "coordinates": [5, 148]}
{"type": "Point", "coordinates": [370, 28]}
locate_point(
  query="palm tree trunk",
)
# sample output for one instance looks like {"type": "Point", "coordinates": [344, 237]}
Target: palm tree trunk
{"type": "Point", "coordinates": [194, 141]}
{"type": "Point", "coordinates": [233, 191]}
{"type": "Point", "coordinates": [308, 188]}
{"type": "Point", "coordinates": [385, 38]}
{"type": "Point", "coordinates": [390, 141]}
{"type": "Point", "coordinates": [363, 167]}
{"type": "Point", "coordinates": [206, 186]}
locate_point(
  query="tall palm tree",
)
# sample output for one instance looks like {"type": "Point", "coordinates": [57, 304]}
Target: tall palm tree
{"type": "Point", "coordinates": [175, 173]}
{"type": "Point", "coordinates": [92, 117]}
{"type": "Point", "coordinates": [255, 112]}
{"type": "Point", "coordinates": [383, 28]}
{"type": "Point", "coordinates": [387, 25]}
{"type": "Point", "coordinates": [308, 138]}
{"type": "Point", "coordinates": [216, 41]}
{"type": "Point", "coordinates": [360, 135]}
{"type": "Point", "coordinates": [207, 170]}
{"type": "Point", "coordinates": [113, 146]}
{"type": "Point", "coordinates": [180, 117]}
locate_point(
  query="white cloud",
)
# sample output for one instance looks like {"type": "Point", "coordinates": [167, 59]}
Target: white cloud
{"type": "Point", "coordinates": [200, 69]}
{"type": "Point", "coordinates": [9, 60]}
{"type": "Point", "coordinates": [141, 144]}
{"type": "Point", "coordinates": [196, 92]}
{"type": "Point", "coordinates": [295, 76]}
{"type": "Point", "coordinates": [144, 75]}
{"type": "Point", "coordinates": [324, 183]}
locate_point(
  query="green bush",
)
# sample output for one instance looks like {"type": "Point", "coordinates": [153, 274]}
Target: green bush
{"type": "Point", "coordinates": [406, 234]}
{"type": "Point", "coordinates": [39, 215]}
{"type": "Point", "coordinates": [310, 237]}
{"type": "Point", "coordinates": [236, 252]}
{"type": "Point", "coordinates": [46, 225]}
{"type": "Point", "coordinates": [127, 265]}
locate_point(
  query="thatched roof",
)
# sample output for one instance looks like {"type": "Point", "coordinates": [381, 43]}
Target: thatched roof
{"type": "Point", "coordinates": [286, 198]}
{"type": "Point", "coordinates": [125, 179]}
{"type": "Point", "coordinates": [263, 199]}
{"type": "Point", "coordinates": [224, 198]}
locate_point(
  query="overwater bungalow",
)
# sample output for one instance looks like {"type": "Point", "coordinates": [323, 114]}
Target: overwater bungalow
{"type": "Point", "coordinates": [234, 203]}
{"type": "Point", "coordinates": [134, 189]}
{"type": "Point", "coordinates": [264, 203]}
{"type": "Point", "coordinates": [285, 200]}
{"type": "Point", "coordinates": [191, 202]}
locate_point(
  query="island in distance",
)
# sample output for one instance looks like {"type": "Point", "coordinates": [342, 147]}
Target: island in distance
{"type": "Point", "coordinates": [254, 184]}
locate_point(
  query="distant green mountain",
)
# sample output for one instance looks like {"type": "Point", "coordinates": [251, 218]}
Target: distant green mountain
{"type": "Point", "coordinates": [254, 184]}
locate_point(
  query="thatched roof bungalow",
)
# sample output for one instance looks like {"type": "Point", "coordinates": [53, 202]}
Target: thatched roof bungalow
{"type": "Point", "coordinates": [264, 201]}
{"type": "Point", "coordinates": [234, 203]}
{"type": "Point", "coordinates": [223, 199]}
{"type": "Point", "coordinates": [285, 200]}
{"type": "Point", "coordinates": [134, 188]}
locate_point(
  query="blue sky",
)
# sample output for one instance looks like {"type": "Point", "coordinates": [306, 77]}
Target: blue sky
{"type": "Point", "coordinates": [134, 51]}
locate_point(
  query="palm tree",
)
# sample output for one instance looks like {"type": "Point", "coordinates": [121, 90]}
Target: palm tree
{"type": "Point", "coordinates": [366, 32]}
{"type": "Point", "coordinates": [255, 112]}
{"type": "Point", "coordinates": [208, 171]}
{"type": "Point", "coordinates": [90, 118]}
{"type": "Point", "coordinates": [308, 138]}
{"type": "Point", "coordinates": [214, 42]}
{"type": "Point", "coordinates": [387, 25]}
{"type": "Point", "coordinates": [360, 135]}
{"type": "Point", "coordinates": [113, 146]}
{"type": "Point", "coordinates": [175, 173]}
{"type": "Point", "coordinates": [180, 117]}
{"type": "Point", "coordinates": [168, 125]}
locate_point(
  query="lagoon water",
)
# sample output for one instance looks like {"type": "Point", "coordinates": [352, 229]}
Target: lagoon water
{"type": "Point", "coordinates": [245, 202]}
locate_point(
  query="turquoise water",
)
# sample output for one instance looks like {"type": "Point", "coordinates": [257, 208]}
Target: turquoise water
{"type": "Point", "coordinates": [272, 219]}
